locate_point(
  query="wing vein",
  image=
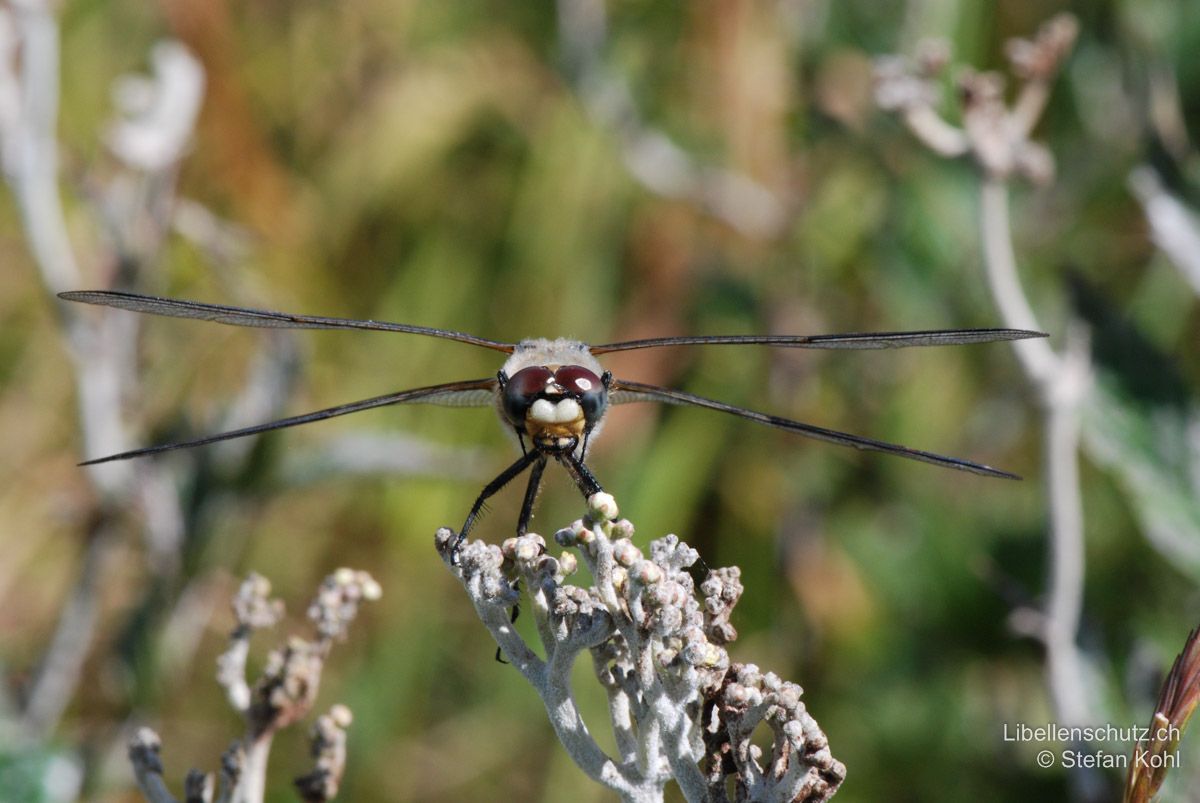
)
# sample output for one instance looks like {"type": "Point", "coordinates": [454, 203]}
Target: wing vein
{"type": "Point", "coordinates": [434, 394]}
{"type": "Point", "coordinates": [864, 340]}
{"type": "Point", "coordinates": [266, 319]}
{"type": "Point", "coordinates": [626, 391]}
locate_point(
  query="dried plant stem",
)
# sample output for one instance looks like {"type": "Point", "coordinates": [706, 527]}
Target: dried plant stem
{"type": "Point", "coordinates": [145, 756]}
{"type": "Point", "coordinates": [101, 349]}
{"type": "Point", "coordinates": [1063, 606]}
{"type": "Point", "coordinates": [34, 168]}
{"type": "Point", "coordinates": [996, 137]}
{"type": "Point", "coordinates": [1061, 382]}
{"type": "Point", "coordinates": [61, 666]}
{"type": "Point", "coordinates": [253, 785]}
{"type": "Point", "coordinates": [1036, 356]}
{"type": "Point", "coordinates": [32, 174]}
{"type": "Point", "coordinates": [1173, 227]}
{"type": "Point", "coordinates": [651, 157]}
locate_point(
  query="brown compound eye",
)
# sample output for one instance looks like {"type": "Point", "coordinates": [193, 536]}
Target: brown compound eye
{"type": "Point", "coordinates": [585, 386]}
{"type": "Point", "coordinates": [577, 379]}
{"type": "Point", "coordinates": [522, 389]}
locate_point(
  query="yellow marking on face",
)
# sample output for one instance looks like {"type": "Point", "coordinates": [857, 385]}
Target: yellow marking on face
{"type": "Point", "coordinates": [551, 431]}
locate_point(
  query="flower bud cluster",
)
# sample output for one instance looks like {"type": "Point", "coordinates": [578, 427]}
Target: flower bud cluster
{"type": "Point", "coordinates": [283, 694]}
{"type": "Point", "coordinates": [658, 649]}
{"type": "Point", "coordinates": [288, 685]}
{"type": "Point", "coordinates": [751, 697]}
{"type": "Point", "coordinates": [252, 604]}
{"type": "Point", "coordinates": [480, 561]}
{"type": "Point", "coordinates": [337, 600]}
{"type": "Point", "coordinates": [996, 134]}
{"type": "Point", "coordinates": [721, 589]}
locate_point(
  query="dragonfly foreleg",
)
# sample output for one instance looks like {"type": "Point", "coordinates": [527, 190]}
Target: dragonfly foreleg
{"type": "Point", "coordinates": [506, 476]}
{"type": "Point", "coordinates": [584, 479]}
{"type": "Point", "coordinates": [535, 482]}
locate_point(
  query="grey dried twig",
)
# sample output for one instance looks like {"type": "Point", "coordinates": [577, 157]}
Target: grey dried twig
{"type": "Point", "coordinates": [997, 138]}
{"type": "Point", "coordinates": [678, 707]}
{"type": "Point", "coordinates": [145, 750]}
{"type": "Point", "coordinates": [101, 350]}
{"type": "Point", "coordinates": [651, 157]}
{"type": "Point", "coordinates": [283, 694]}
{"type": "Point", "coordinates": [329, 756]}
{"type": "Point", "coordinates": [1174, 228]}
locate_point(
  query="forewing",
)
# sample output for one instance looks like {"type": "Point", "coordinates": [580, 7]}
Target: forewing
{"type": "Point", "coordinates": [867, 340]}
{"type": "Point", "coordinates": [470, 393]}
{"type": "Point", "coordinates": [242, 316]}
{"type": "Point", "coordinates": [625, 391]}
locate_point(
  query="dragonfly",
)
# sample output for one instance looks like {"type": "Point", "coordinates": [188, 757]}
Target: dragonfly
{"type": "Point", "coordinates": [552, 394]}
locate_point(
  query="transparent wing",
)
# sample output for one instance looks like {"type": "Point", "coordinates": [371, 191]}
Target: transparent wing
{"type": "Point", "coordinates": [868, 340]}
{"type": "Point", "coordinates": [242, 316]}
{"type": "Point", "coordinates": [625, 391]}
{"type": "Point", "coordinates": [470, 393]}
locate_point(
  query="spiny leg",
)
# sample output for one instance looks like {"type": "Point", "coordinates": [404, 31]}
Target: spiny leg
{"type": "Point", "coordinates": [588, 485]}
{"type": "Point", "coordinates": [535, 481]}
{"type": "Point", "coordinates": [584, 479]}
{"type": "Point", "coordinates": [506, 476]}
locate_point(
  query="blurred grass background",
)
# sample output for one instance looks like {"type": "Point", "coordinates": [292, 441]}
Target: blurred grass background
{"type": "Point", "coordinates": [433, 163]}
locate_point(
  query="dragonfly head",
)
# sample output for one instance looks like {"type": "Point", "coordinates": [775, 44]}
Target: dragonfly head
{"type": "Point", "coordinates": [555, 405]}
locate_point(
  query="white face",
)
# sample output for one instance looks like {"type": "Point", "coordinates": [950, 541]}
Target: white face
{"type": "Point", "coordinates": [563, 412]}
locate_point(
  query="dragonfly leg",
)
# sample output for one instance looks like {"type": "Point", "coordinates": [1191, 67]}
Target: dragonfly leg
{"type": "Point", "coordinates": [535, 482]}
{"type": "Point", "coordinates": [516, 611]}
{"type": "Point", "coordinates": [506, 476]}
{"type": "Point", "coordinates": [585, 480]}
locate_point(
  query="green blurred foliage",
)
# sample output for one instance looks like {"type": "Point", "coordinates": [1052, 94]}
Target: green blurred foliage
{"type": "Point", "coordinates": [433, 163]}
